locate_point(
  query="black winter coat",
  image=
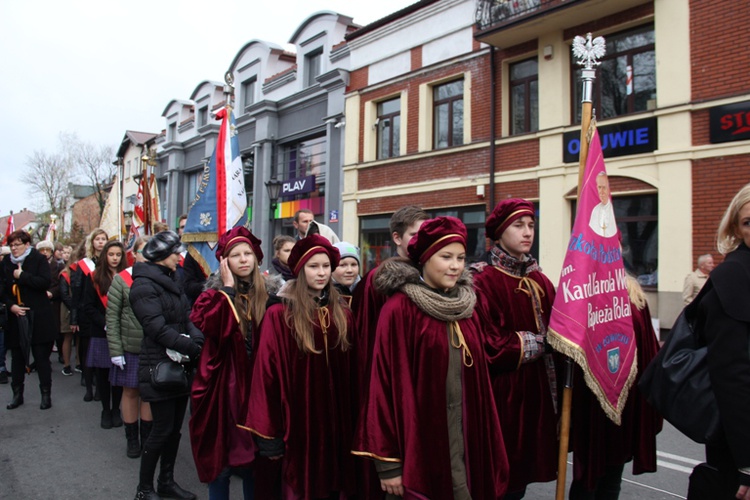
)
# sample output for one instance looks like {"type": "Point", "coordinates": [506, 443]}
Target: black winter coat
{"type": "Point", "coordinates": [33, 283]}
{"type": "Point", "coordinates": [92, 318]}
{"type": "Point", "coordinates": [163, 310]}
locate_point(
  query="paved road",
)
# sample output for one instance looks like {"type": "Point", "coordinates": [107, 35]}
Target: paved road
{"type": "Point", "coordinates": [62, 453]}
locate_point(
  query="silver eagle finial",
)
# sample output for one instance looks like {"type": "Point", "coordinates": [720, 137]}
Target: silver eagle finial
{"type": "Point", "coordinates": [588, 51]}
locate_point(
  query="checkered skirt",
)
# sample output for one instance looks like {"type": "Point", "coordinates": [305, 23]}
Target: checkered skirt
{"type": "Point", "coordinates": [98, 353]}
{"type": "Point", "coordinates": [127, 377]}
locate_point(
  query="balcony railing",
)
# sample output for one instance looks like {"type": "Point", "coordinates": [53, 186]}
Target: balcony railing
{"type": "Point", "coordinates": [498, 13]}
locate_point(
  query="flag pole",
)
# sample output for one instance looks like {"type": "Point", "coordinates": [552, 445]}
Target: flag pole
{"type": "Point", "coordinates": [587, 51]}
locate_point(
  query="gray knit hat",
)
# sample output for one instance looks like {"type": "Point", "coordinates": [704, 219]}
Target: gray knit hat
{"type": "Point", "coordinates": [348, 250]}
{"type": "Point", "coordinates": [162, 245]}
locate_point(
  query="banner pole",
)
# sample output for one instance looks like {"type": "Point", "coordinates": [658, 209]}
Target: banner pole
{"type": "Point", "coordinates": [587, 54]}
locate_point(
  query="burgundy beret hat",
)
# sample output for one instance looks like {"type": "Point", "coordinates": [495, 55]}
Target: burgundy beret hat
{"type": "Point", "coordinates": [433, 235]}
{"type": "Point", "coordinates": [505, 213]}
{"type": "Point", "coordinates": [309, 246]}
{"type": "Point", "coordinates": [234, 236]}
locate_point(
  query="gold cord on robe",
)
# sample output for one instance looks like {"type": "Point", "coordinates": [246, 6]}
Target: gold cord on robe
{"type": "Point", "coordinates": [459, 342]}
{"type": "Point", "coordinates": [324, 318]}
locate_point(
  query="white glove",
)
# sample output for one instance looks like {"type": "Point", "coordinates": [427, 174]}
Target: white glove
{"type": "Point", "coordinates": [119, 362]}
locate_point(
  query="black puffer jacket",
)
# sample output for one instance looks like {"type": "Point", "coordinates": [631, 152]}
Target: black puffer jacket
{"type": "Point", "coordinates": [163, 310]}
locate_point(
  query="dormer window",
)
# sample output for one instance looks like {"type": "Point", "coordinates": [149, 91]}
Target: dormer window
{"type": "Point", "coordinates": [313, 63]}
{"type": "Point", "coordinates": [248, 92]}
{"type": "Point", "coordinates": [172, 132]}
{"type": "Point", "coordinates": [202, 116]}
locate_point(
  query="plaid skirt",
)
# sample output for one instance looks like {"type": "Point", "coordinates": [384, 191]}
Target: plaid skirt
{"type": "Point", "coordinates": [127, 377]}
{"type": "Point", "coordinates": [98, 353]}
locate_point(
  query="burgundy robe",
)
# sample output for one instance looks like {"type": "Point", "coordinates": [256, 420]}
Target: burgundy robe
{"type": "Point", "coordinates": [306, 400]}
{"type": "Point", "coordinates": [596, 442]}
{"type": "Point", "coordinates": [405, 417]}
{"type": "Point", "coordinates": [220, 390]}
{"type": "Point", "coordinates": [522, 391]}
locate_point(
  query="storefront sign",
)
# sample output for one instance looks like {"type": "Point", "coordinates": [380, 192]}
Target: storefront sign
{"type": "Point", "coordinates": [620, 139]}
{"type": "Point", "coordinates": [299, 185]}
{"type": "Point", "coordinates": [730, 123]}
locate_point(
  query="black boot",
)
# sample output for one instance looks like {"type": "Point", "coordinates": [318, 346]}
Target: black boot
{"type": "Point", "coordinates": [46, 397]}
{"type": "Point", "coordinates": [17, 397]}
{"type": "Point", "coordinates": [106, 420]}
{"type": "Point", "coordinates": [149, 459]}
{"type": "Point", "coordinates": [166, 486]}
{"type": "Point", "coordinates": [146, 426]}
{"type": "Point", "coordinates": [131, 434]}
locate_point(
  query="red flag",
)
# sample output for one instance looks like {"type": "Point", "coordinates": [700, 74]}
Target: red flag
{"type": "Point", "coordinates": [9, 229]}
{"type": "Point", "coordinates": [591, 319]}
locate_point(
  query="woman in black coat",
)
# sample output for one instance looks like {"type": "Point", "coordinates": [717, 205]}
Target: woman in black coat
{"type": "Point", "coordinates": [26, 278]}
{"type": "Point", "coordinates": [163, 310]}
{"type": "Point", "coordinates": [724, 319]}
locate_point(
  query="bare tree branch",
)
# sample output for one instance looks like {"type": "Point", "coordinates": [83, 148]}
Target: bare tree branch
{"type": "Point", "coordinates": [92, 162]}
{"type": "Point", "coordinates": [48, 175]}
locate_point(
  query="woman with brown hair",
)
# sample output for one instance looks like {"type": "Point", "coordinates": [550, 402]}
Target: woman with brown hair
{"type": "Point", "coordinates": [228, 313]}
{"type": "Point", "coordinates": [300, 401]}
{"type": "Point", "coordinates": [83, 272]}
{"type": "Point", "coordinates": [93, 323]}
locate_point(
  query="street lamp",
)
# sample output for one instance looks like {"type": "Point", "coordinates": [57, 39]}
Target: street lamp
{"type": "Point", "coordinates": [274, 190]}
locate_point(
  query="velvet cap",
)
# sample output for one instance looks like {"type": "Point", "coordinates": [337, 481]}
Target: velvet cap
{"type": "Point", "coordinates": [505, 213]}
{"type": "Point", "coordinates": [309, 246]}
{"type": "Point", "coordinates": [433, 235]}
{"type": "Point", "coordinates": [234, 236]}
{"type": "Point", "coordinates": [162, 245]}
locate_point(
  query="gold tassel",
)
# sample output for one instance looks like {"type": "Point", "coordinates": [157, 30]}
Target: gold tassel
{"type": "Point", "coordinates": [459, 342]}
{"type": "Point", "coordinates": [325, 321]}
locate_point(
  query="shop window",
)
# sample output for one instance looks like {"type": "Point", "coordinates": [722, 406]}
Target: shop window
{"type": "Point", "coordinates": [377, 245]}
{"type": "Point", "coordinates": [389, 128]}
{"type": "Point", "coordinates": [448, 114]}
{"type": "Point", "coordinates": [638, 221]}
{"type": "Point", "coordinates": [626, 78]}
{"type": "Point", "coordinates": [524, 97]}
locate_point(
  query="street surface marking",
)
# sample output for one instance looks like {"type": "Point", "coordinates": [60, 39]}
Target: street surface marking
{"type": "Point", "coordinates": [678, 458]}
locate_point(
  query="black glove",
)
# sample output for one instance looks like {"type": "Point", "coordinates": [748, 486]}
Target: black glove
{"type": "Point", "coordinates": [194, 351]}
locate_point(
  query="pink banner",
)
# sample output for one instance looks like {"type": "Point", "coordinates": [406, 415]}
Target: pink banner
{"type": "Point", "coordinates": [591, 320]}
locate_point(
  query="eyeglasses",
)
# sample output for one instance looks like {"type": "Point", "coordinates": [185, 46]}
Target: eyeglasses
{"type": "Point", "coordinates": [16, 245]}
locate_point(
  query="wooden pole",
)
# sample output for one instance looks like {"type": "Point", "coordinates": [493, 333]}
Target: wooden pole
{"type": "Point", "coordinates": [587, 53]}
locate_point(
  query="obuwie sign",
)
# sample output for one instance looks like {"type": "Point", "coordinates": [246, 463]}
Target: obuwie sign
{"type": "Point", "coordinates": [620, 139]}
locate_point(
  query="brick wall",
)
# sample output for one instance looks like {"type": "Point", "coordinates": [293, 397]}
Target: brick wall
{"type": "Point", "coordinates": [86, 214]}
{"type": "Point", "coordinates": [466, 163]}
{"type": "Point", "coordinates": [427, 200]}
{"type": "Point", "coordinates": [715, 182]}
{"type": "Point", "coordinates": [719, 58]}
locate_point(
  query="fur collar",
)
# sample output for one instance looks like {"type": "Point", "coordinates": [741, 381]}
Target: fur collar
{"type": "Point", "coordinates": [394, 273]}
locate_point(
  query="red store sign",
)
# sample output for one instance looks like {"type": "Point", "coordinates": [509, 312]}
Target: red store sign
{"type": "Point", "coordinates": [730, 123]}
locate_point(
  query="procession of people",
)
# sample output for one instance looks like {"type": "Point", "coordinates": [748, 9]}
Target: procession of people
{"type": "Point", "coordinates": [430, 377]}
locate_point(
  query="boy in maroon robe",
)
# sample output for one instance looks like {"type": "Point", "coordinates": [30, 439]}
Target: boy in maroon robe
{"type": "Point", "coordinates": [514, 300]}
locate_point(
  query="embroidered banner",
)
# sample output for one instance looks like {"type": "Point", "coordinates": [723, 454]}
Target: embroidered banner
{"type": "Point", "coordinates": [591, 318]}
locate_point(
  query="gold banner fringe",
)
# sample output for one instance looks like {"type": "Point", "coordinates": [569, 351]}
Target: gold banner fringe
{"type": "Point", "coordinates": [200, 260]}
{"type": "Point", "coordinates": [573, 351]}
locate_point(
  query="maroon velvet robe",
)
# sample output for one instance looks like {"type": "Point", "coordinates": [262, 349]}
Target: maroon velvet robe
{"type": "Point", "coordinates": [596, 442]}
{"type": "Point", "coordinates": [221, 389]}
{"type": "Point", "coordinates": [366, 304]}
{"type": "Point", "coordinates": [306, 399]}
{"type": "Point", "coordinates": [405, 417]}
{"type": "Point", "coordinates": [522, 391]}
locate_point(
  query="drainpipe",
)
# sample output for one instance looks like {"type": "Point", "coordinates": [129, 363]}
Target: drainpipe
{"type": "Point", "coordinates": [493, 85]}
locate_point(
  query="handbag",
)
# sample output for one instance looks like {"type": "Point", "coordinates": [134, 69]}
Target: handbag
{"type": "Point", "coordinates": [169, 376]}
{"type": "Point", "coordinates": [677, 383]}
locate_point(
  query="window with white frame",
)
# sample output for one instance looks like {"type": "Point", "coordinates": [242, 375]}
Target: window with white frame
{"type": "Point", "coordinates": [626, 77]}
{"type": "Point", "coordinates": [524, 96]}
{"type": "Point", "coordinates": [448, 114]}
{"type": "Point", "coordinates": [389, 128]}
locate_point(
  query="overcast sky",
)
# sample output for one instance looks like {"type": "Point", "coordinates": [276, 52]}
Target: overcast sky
{"type": "Point", "coordinates": [99, 68]}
